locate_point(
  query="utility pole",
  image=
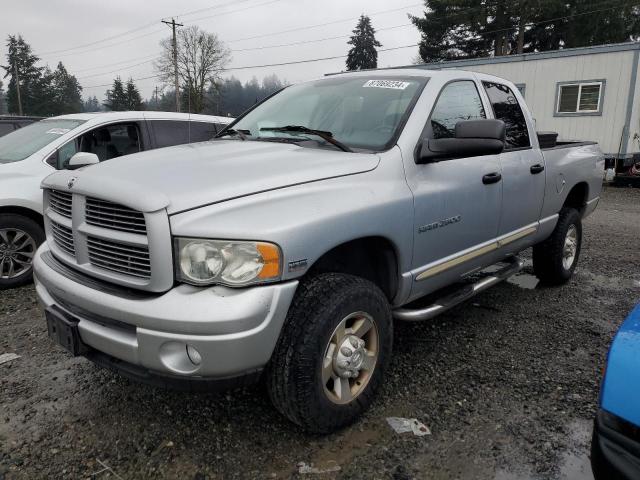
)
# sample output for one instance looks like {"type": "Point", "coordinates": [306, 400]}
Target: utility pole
{"type": "Point", "coordinates": [15, 69]}
{"type": "Point", "coordinates": [175, 58]}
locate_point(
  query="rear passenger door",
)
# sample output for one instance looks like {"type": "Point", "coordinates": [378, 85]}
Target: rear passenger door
{"type": "Point", "coordinates": [178, 132]}
{"type": "Point", "coordinates": [523, 175]}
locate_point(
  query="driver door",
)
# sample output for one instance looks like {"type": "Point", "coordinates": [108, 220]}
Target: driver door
{"type": "Point", "coordinates": [457, 212]}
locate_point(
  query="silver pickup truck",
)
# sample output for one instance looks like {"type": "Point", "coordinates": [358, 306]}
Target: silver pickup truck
{"type": "Point", "coordinates": [284, 249]}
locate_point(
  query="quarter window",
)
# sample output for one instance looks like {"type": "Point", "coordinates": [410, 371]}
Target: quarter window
{"type": "Point", "coordinates": [578, 98]}
{"type": "Point", "coordinates": [458, 101]}
{"type": "Point", "coordinates": [506, 108]}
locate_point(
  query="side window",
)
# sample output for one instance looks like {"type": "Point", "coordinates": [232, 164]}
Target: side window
{"type": "Point", "coordinates": [107, 142]}
{"type": "Point", "coordinates": [201, 131]}
{"type": "Point", "coordinates": [169, 132]}
{"type": "Point", "coordinates": [457, 101]}
{"type": "Point", "coordinates": [65, 153]}
{"type": "Point", "coordinates": [6, 128]}
{"type": "Point", "coordinates": [506, 108]}
{"type": "Point", "coordinates": [579, 98]}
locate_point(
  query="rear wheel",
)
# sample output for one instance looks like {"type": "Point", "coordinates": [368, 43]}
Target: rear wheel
{"type": "Point", "coordinates": [555, 259]}
{"type": "Point", "coordinates": [332, 353]}
{"type": "Point", "coordinates": [19, 239]}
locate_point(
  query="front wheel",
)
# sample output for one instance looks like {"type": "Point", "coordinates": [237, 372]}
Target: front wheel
{"type": "Point", "coordinates": [555, 259]}
{"type": "Point", "coordinates": [19, 239]}
{"type": "Point", "coordinates": [332, 353]}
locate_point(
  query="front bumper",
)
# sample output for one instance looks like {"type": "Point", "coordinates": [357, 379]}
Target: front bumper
{"type": "Point", "coordinates": [615, 448]}
{"type": "Point", "coordinates": [233, 330]}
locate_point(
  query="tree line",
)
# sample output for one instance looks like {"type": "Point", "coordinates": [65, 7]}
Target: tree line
{"type": "Point", "coordinates": [453, 29]}
{"type": "Point", "coordinates": [450, 29]}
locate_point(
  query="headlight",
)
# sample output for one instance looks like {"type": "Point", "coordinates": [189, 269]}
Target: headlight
{"type": "Point", "coordinates": [204, 262]}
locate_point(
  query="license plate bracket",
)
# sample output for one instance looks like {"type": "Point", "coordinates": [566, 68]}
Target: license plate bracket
{"type": "Point", "coordinates": [63, 329]}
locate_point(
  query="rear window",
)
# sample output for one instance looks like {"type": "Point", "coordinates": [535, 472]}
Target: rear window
{"type": "Point", "coordinates": [21, 143]}
{"type": "Point", "coordinates": [506, 108]}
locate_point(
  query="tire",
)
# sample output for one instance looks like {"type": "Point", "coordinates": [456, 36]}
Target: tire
{"type": "Point", "coordinates": [16, 258]}
{"type": "Point", "coordinates": [554, 260]}
{"type": "Point", "coordinates": [296, 376]}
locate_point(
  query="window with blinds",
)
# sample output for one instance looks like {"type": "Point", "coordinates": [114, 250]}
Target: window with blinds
{"type": "Point", "coordinates": [579, 98]}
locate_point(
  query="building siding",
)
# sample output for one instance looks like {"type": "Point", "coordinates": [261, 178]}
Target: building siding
{"type": "Point", "coordinates": [634, 127]}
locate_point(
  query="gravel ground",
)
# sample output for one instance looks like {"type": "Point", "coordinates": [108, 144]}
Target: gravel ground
{"type": "Point", "coordinates": [507, 383]}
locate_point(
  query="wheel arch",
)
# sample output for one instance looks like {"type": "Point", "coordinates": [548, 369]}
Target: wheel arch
{"type": "Point", "coordinates": [577, 197]}
{"type": "Point", "coordinates": [374, 258]}
{"type": "Point", "coordinates": [23, 211]}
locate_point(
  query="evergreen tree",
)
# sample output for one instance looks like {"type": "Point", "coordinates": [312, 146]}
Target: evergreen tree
{"type": "Point", "coordinates": [116, 97]}
{"type": "Point", "coordinates": [91, 104]}
{"type": "Point", "coordinates": [469, 28]}
{"type": "Point", "coordinates": [133, 98]}
{"type": "Point", "coordinates": [230, 97]}
{"type": "Point", "coordinates": [34, 81]}
{"type": "Point", "coordinates": [66, 91]}
{"type": "Point", "coordinates": [3, 100]}
{"type": "Point", "coordinates": [363, 53]}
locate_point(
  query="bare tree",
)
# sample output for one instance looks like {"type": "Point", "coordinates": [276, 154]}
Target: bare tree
{"type": "Point", "coordinates": [202, 56]}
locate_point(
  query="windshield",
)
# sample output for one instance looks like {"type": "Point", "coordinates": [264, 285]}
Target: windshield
{"type": "Point", "coordinates": [20, 144]}
{"type": "Point", "coordinates": [359, 112]}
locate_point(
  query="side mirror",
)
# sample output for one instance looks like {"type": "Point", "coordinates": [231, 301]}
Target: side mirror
{"type": "Point", "coordinates": [82, 159]}
{"type": "Point", "coordinates": [473, 138]}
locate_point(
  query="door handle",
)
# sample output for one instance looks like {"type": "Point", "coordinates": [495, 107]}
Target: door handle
{"type": "Point", "coordinates": [536, 168]}
{"type": "Point", "coordinates": [490, 178]}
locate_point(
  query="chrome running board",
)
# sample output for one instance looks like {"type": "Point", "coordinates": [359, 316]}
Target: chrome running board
{"type": "Point", "coordinates": [464, 293]}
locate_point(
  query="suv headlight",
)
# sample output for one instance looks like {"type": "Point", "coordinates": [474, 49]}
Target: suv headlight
{"type": "Point", "coordinates": [235, 263]}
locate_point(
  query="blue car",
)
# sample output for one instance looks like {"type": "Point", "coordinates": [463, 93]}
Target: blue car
{"type": "Point", "coordinates": [615, 448]}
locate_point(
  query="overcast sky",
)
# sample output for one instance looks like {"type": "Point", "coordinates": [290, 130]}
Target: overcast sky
{"type": "Point", "coordinates": [55, 29]}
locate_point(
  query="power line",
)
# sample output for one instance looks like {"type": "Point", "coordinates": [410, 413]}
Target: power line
{"type": "Point", "coordinates": [272, 64]}
{"type": "Point", "coordinates": [303, 42]}
{"type": "Point", "coordinates": [381, 49]}
{"type": "Point", "coordinates": [233, 11]}
{"type": "Point", "coordinates": [297, 29]}
{"type": "Point", "coordinates": [258, 36]}
{"type": "Point", "coordinates": [141, 27]}
{"type": "Point", "coordinates": [146, 57]}
{"type": "Point", "coordinates": [118, 69]}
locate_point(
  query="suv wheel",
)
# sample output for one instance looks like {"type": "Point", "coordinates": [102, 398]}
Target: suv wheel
{"type": "Point", "coordinates": [332, 352]}
{"type": "Point", "coordinates": [555, 259]}
{"type": "Point", "coordinates": [19, 239]}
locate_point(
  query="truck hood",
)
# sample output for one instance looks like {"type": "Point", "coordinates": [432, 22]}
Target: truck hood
{"type": "Point", "coordinates": [189, 176]}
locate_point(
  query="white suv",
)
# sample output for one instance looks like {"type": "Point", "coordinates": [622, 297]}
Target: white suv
{"type": "Point", "coordinates": [30, 154]}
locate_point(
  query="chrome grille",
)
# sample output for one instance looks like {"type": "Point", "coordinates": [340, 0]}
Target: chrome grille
{"type": "Point", "coordinates": [60, 202]}
{"type": "Point", "coordinates": [119, 257]}
{"type": "Point", "coordinates": [63, 236]}
{"type": "Point", "coordinates": [106, 214]}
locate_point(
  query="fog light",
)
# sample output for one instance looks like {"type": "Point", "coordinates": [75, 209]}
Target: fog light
{"type": "Point", "coordinates": [194, 355]}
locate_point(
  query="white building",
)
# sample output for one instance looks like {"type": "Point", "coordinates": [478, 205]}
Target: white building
{"type": "Point", "coordinates": [589, 93]}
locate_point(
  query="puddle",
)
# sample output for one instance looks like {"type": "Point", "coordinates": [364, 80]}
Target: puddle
{"type": "Point", "coordinates": [524, 280]}
{"type": "Point", "coordinates": [575, 463]}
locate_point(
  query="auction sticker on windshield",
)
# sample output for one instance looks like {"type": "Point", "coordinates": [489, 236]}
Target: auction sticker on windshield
{"type": "Point", "coordinates": [395, 84]}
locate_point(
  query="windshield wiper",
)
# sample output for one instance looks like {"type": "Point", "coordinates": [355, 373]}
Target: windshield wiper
{"type": "Point", "coordinates": [242, 134]}
{"type": "Point", "coordinates": [326, 136]}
